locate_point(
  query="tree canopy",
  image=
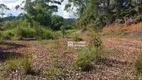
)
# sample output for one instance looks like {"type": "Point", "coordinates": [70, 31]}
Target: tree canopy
{"type": "Point", "coordinates": [103, 12]}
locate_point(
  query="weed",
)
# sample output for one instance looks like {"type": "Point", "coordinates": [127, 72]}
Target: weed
{"type": "Point", "coordinates": [63, 30]}
{"type": "Point", "coordinates": [138, 65]}
{"type": "Point", "coordinates": [76, 37]}
{"type": "Point", "coordinates": [94, 39]}
{"type": "Point", "coordinates": [17, 63]}
{"type": "Point", "coordinates": [26, 65]}
{"type": "Point", "coordinates": [52, 70]}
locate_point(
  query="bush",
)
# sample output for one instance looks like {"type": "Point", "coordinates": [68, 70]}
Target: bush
{"type": "Point", "coordinates": [76, 37]}
{"type": "Point", "coordinates": [85, 58]}
{"type": "Point", "coordinates": [62, 30]}
{"type": "Point", "coordinates": [57, 35]}
{"type": "Point", "coordinates": [7, 35]}
{"type": "Point", "coordinates": [24, 32]}
{"type": "Point", "coordinates": [94, 39]}
{"type": "Point", "coordinates": [89, 54]}
{"type": "Point", "coordinates": [43, 33]}
{"type": "Point", "coordinates": [7, 25]}
{"type": "Point", "coordinates": [138, 65]}
{"type": "Point", "coordinates": [52, 70]}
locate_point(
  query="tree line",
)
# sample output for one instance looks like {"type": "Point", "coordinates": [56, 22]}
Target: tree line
{"type": "Point", "coordinates": [95, 13]}
{"type": "Point", "coordinates": [104, 12]}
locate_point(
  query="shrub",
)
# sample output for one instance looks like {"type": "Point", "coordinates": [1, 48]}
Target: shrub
{"type": "Point", "coordinates": [43, 33]}
{"type": "Point", "coordinates": [85, 58]}
{"type": "Point", "coordinates": [57, 35]}
{"type": "Point", "coordinates": [76, 37]}
{"type": "Point", "coordinates": [88, 54]}
{"type": "Point", "coordinates": [138, 65]}
{"type": "Point", "coordinates": [62, 30]}
{"type": "Point", "coordinates": [7, 35]}
{"type": "Point", "coordinates": [24, 32]}
{"type": "Point", "coordinates": [52, 70]}
{"type": "Point", "coordinates": [94, 39]}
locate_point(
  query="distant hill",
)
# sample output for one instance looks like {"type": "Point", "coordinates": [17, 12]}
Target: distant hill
{"type": "Point", "coordinates": [69, 21]}
{"type": "Point", "coordinates": [10, 18]}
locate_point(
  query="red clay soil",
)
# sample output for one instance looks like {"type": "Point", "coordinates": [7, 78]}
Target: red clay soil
{"type": "Point", "coordinates": [117, 27]}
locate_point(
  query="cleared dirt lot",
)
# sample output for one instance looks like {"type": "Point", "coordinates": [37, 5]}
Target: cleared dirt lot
{"type": "Point", "coordinates": [116, 64]}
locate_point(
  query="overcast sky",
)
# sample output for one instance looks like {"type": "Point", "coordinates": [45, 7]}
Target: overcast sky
{"type": "Point", "coordinates": [12, 3]}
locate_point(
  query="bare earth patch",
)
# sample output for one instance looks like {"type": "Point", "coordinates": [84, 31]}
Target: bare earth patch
{"type": "Point", "coordinates": [115, 65]}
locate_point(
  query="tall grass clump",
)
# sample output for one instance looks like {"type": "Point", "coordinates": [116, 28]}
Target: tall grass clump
{"type": "Point", "coordinates": [88, 55]}
{"type": "Point", "coordinates": [138, 65]}
{"type": "Point", "coordinates": [62, 28]}
{"type": "Point", "coordinates": [76, 37]}
{"type": "Point", "coordinates": [18, 63]}
{"type": "Point", "coordinates": [52, 71]}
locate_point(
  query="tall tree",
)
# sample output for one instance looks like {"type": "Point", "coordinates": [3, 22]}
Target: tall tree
{"type": "Point", "coordinates": [3, 7]}
{"type": "Point", "coordinates": [40, 10]}
{"type": "Point", "coordinates": [102, 12]}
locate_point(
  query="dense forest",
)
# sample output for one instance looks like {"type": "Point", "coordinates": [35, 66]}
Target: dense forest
{"type": "Point", "coordinates": [101, 41]}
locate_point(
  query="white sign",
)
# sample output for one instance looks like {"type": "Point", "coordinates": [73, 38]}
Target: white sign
{"type": "Point", "coordinates": [76, 44]}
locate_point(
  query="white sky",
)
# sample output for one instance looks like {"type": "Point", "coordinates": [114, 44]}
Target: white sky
{"type": "Point", "coordinates": [12, 3]}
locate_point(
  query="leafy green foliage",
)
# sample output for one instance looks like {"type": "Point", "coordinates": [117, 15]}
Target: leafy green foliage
{"type": "Point", "coordinates": [40, 11]}
{"type": "Point", "coordinates": [57, 22]}
{"type": "Point", "coordinates": [94, 40]}
{"type": "Point", "coordinates": [76, 37]}
{"type": "Point", "coordinates": [90, 54]}
{"type": "Point", "coordinates": [63, 30]}
{"type": "Point", "coordinates": [103, 12]}
{"type": "Point", "coordinates": [20, 29]}
{"type": "Point", "coordinates": [43, 33]}
{"type": "Point", "coordinates": [85, 58]}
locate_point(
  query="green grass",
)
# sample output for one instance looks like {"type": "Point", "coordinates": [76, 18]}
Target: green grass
{"type": "Point", "coordinates": [18, 63]}
{"type": "Point", "coordinates": [52, 70]}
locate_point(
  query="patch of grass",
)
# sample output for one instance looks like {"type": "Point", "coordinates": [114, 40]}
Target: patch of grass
{"type": "Point", "coordinates": [57, 35]}
{"type": "Point", "coordinates": [52, 70]}
{"type": "Point", "coordinates": [120, 33]}
{"type": "Point", "coordinates": [71, 31]}
{"type": "Point", "coordinates": [138, 65]}
{"type": "Point", "coordinates": [7, 35]}
{"type": "Point", "coordinates": [12, 64]}
{"type": "Point", "coordinates": [1, 41]}
{"type": "Point", "coordinates": [76, 37]}
{"type": "Point", "coordinates": [26, 65]}
{"type": "Point", "coordinates": [1, 76]}
{"type": "Point", "coordinates": [17, 63]}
